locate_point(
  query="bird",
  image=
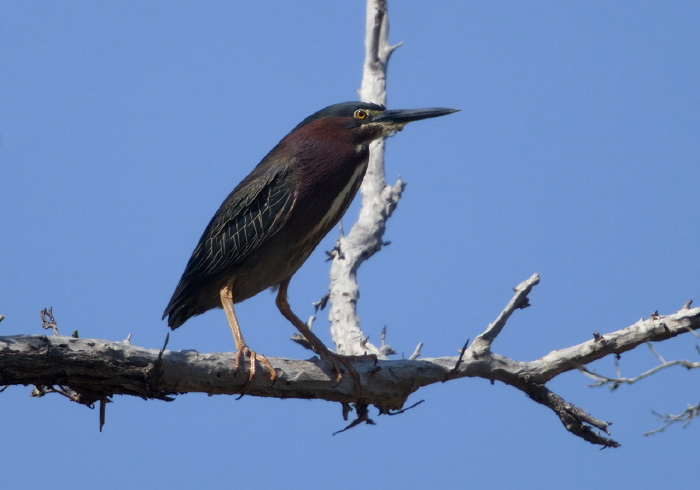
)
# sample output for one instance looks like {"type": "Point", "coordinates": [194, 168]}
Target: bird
{"type": "Point", "coordinates": [276, 216]}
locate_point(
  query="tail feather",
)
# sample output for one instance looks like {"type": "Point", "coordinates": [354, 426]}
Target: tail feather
{"type": "Point", "coordinates": [179, 305]}
{"type": "Point", "coordinates": [191, 299]}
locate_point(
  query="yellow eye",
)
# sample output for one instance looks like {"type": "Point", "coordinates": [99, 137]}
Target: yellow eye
{"type": "Point", "coordinates": [360, 114]}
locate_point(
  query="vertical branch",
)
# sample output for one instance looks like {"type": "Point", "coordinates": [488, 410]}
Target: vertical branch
{"type": "Point", "coordinates": [378, 201]}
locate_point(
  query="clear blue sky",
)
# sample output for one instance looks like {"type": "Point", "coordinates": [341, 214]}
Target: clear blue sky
{"type": "Point", "coordinates": [123, 125]}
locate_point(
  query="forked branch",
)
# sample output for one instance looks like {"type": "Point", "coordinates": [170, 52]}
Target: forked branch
{"type": "Point", "coordinates": [95, 370]}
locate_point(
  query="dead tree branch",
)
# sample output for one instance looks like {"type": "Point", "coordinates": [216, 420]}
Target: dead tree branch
{"type": "Point", "coordinates": [90, 370]}
{"type": "Point", "coordinates": [379, 200]}
{"type": "Point", "coordinates": [685, 417]}
{"type": "Point", "coordinates": [616, 382]}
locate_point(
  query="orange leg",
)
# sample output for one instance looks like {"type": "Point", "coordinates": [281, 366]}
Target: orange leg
{"type": "Point", "coordinates": [317, 344]}
{"type": "Point", "coordinates": [241, 347]}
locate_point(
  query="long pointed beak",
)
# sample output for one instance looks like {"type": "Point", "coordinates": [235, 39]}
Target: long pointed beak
{"type": "Point", "coordinates": [405, 116]}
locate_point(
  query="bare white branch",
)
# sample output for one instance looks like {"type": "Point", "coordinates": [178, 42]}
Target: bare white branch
{"type": "Point", "coordinates": [686, 417]}
{"type": "Point", "coordinates": [614, 383]}
{"type": "Point", "coordinates": [378, 202]}
{"type": "Point", "coordinates": [91, 370]}
{"type": "Point", "coordinates": [416, 352]}
{"type": "Point", "coordinates": [483, 342]}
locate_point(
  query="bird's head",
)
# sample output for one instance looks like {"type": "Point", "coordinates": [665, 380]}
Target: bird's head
{"type": "Point", "coordinates": [370, 121]}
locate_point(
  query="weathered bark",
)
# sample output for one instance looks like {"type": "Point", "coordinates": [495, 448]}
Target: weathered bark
{"type": "Point", "coordinates": [378, 202]}
{"type": "Point", "coordinates": [88, 370]}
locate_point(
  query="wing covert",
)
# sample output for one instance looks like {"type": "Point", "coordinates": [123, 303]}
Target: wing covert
{"type": "Point", "coordinates": [252, 213]}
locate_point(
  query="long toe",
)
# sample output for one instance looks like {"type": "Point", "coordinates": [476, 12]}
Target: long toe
{"type": "Point", "coordinates": [252, 368]}
{"type": "Point", "coordinates": [346, 361]}
{"type": "Point", "coordinates": [265, 362]}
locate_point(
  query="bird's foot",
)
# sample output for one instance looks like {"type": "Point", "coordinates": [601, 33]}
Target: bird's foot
{"type": "Point", "coordinates": [244, 352]}
{"type": "Point", "coordinates": [338, 359]}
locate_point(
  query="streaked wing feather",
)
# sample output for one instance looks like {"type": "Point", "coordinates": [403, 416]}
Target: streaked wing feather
{"type": "Point", "coordinates": [251, 214]}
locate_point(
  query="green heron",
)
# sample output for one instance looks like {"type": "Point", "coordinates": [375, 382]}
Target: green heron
{"type": "Point", "coordinates": [272, 221]}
